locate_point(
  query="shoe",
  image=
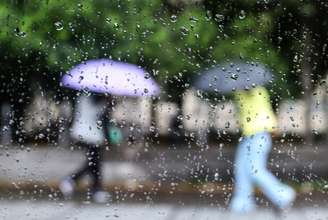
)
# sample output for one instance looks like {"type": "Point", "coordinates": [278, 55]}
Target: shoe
{"type": "Point", "coordinates": [101, 197]}
{"type": "Point", "coordinates": [282, 208]}
{"type": "Point", "coordinates": [287, 197]}
{"type": "Point", "coordinates": [242, 205]}
{"type": "Point", "coordinates": [67, 186]}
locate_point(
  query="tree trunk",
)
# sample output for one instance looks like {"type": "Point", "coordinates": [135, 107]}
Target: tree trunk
{"type": "Point", "coordinates": [325, 107]}
{"type": "Point", "coordinates": [307, 87]}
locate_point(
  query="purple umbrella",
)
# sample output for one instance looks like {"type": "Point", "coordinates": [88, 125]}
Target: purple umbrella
{"type": "Point", "coordinates": [113, 77]}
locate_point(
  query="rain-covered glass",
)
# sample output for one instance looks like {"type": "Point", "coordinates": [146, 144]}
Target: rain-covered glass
{"type": "Point", "coordinates": [163, 109]}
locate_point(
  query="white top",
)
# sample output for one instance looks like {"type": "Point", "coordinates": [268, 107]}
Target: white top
{"type": "Point", "coordinates": [87, 125]}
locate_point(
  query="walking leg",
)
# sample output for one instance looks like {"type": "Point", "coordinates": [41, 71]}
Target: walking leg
{"type": "Point", "coordinates": [280, 194]}
{"type": "Point", "coordinates": [84, 169]}
{"type": "Point", "coordinates": [242, 200]}
{"type": "Point", "coordinates": [95, 167]}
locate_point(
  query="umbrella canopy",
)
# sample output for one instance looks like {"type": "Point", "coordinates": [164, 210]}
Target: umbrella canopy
{"type": "Point", "coordinates": [234, 76]}
{"type": "Point", "coordinates": [113, 77]}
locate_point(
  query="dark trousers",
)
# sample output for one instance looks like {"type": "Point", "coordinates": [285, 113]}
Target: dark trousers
{"type": "Point", "coordinates": [92, 167]}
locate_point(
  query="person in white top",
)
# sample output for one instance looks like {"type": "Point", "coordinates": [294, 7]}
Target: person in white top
{"type": "Point", "coordinates": [88, 129]}
{"type": "Point", "coordinates": [87, 123]}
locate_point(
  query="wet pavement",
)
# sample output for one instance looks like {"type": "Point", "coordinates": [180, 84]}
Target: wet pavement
{"type": "Point", "coordinates": [54, 210]}
{"type": "Point", "coordinates": [49, 164]}
{"type": "Point", "coordinates": [161, 184]}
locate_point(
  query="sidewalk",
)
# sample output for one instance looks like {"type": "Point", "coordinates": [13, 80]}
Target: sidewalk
{"type": "Point", "coordinates": [52, 210]}
{"type": "Point", "coordinates": [166, 170]}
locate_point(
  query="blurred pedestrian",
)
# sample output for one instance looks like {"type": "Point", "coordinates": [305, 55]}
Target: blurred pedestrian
{"type": "Point", "coordinates": [257, 121]}
{"type": "Point", "coordinates": [101, 76]}
{"type": "Point", "coordinates": [88, 130]}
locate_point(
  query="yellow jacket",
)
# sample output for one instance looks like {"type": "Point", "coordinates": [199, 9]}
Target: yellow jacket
{"type": "Point", "coordinates": [255, 111]}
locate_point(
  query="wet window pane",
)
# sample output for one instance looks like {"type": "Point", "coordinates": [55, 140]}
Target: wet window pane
{"type": "Point", "coordinates": [169, 109]}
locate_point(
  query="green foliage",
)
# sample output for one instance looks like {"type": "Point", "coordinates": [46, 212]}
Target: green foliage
{"type": "Point", "coordinates": [172, 43]}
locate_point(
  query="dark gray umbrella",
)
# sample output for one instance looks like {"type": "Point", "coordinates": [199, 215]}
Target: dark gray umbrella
{"type": "Point", "coordinates": [233, 76]}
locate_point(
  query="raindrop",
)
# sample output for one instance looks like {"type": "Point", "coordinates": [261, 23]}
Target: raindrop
{"type": "Point", "coordinates": [208, 15]}
{"type": "Point", "coordinates": [193, 19]}
{"type": "Point", "coordinates": [152, 129]}
{"type": "Point", "coordinates": [19, 33]}
{"type": "Point", "coordinates": [146, 90]}
{"type": "Point", "coordinates": [234, 76]}
{"type": "Point", "coordinates": [147, 76]}
{"type": "Point", "coordinates": [59, 26]}
{"type": "Point", "coordinates": [174, 18]}
{"type": "Point", "coordinates": [108, 20]}
{"type": "Point", "coordinates": [80, 79]}
{"type": "Point", "coordinates": [216, 176]}
{"type": "Point", "coordinates": [242, 14]}
{"type": "Point", "coordinates": [218, 17]}
{"type": "Point", "coordinates": [184, 31]}
{"type": "Point", "coordinates": [99, 124]}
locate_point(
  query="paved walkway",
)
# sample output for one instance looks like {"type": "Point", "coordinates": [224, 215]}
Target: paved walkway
{"type": "Point", "coordinates": [163, 167]}
{"type": "Point", "coordinates": [52, 164]}
{"type": "Point", "coordinates": [48, 210]}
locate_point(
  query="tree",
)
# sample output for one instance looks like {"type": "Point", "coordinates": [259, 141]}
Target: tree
{"type": "Point", "coordinates": [174, 42]}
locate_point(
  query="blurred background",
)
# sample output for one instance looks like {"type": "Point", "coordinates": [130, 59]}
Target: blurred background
{"type": "Point", "coordinates": [174, 150]}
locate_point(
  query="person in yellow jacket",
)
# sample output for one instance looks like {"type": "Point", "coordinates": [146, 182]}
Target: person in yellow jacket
{"type": "Point", "coordinates": [257, 121]}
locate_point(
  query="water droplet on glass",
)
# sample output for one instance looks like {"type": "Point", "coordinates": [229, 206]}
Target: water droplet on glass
{"type": "Point", "coordinates": [108, 20]}
{"type": "Point", "coordinates": [147, 76]}
{"type": "Point", "coordinates": [234, 76]}
{"type": "Point", "coordinates": [184, 30]}
{"type": "Point", "coordinates": [146, 90]}
{"type": "Point", "coordinates": [99, 124]}
{"type": "Point", "coordinates": [242, 14]}
{"type": "Point", "coordinates": [193, 19]}
{"type": "Point", "coordinates": [174, 18]}
{"type": "Point", "coordinates": [80, 79]}
{"type": "Point", "coordinates": [19, 33]}
{"type": "Point", "coordinates": [218, 17]}
{"type": "Point", "coordinates": [59, 26]}
{"type": "Point", "coordinates": [216, 176]}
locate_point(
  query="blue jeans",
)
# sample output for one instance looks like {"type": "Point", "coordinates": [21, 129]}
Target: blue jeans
{"type": "Point", "coordinates": [250, 169]}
